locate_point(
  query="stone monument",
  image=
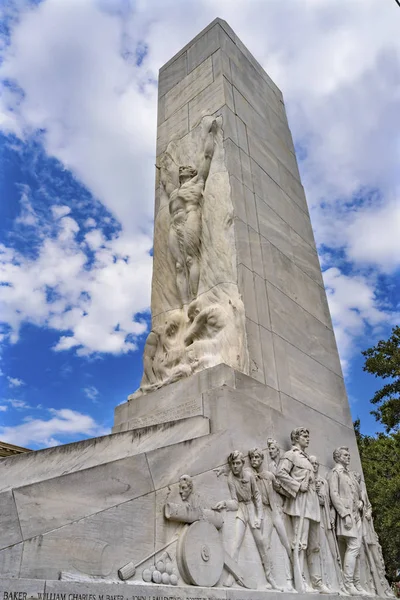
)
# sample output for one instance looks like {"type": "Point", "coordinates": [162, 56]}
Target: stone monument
{"type": "Point", "coordinates": [205, 488]}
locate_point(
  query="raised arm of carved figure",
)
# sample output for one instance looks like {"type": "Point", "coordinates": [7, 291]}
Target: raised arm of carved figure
{"type": "Point", "coordinates": [166, 166]}
{"type": "Point", "coordinates": [204, 168]}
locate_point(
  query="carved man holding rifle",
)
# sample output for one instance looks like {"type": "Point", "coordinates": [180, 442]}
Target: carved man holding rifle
{"type": "Point", "coordinates": [297, 478]}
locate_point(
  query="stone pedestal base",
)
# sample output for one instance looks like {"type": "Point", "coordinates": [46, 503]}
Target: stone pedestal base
{"type": "Point", "coordinates": [39, 589]}
{"type": "Point", "coordinates": [91, 507]}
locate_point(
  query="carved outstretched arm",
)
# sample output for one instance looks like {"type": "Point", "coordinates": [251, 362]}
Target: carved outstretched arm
{"type": "Point", "coordinates": [208, 152]}
{"type": "Point", "coordinates": [165, 174]}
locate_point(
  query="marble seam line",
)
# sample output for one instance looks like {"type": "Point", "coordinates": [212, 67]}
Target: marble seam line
{"type": "Point", "coordinates": [288, 341]}
{"type": "Point", "coordinates": [284, 293]}
{"type": "Point", "coordinates": [216, 23]}
{"type": "Point", "coordinates": [276, 183]}
{"type": "Point", "coordinates": [255, 109]}
{"type": "Point", "coordinates": [319, 412]}
{"type": "Point", "coordinates": [16, 509]}
{"type": "Point", "coordinates": [88, 516]}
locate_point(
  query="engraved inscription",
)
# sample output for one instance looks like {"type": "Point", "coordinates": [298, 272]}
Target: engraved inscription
{"type": "Point", "coordinates": [190, 408]}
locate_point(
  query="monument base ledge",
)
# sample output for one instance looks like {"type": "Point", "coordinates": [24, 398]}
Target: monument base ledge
{"type": "Point", "coordinates": [40, 589]}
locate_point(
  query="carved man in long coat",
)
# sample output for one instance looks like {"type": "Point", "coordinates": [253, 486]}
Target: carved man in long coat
{"type": "Point", "coordinates": [346, 497]}
{"type": "Point", "coordinates": [296, 476]}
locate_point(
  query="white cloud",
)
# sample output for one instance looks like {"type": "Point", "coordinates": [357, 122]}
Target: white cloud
{"type": "Point", "coordinates": [3, 408]}
{"type": "Point", "coordinates": [41, 432]}
{"type": "Point", "coordinates": [373, 237]}
{"type": "Point", "coordinates": [15, 382]}
{"type": "Point", "coordinates": [92, 308]}
{"type": "Point", "coordinates": [91, 392]}
{"type": "Point", "coordinates": [354, 308]}
{"type": "Point", "coordinates": [18, 404]}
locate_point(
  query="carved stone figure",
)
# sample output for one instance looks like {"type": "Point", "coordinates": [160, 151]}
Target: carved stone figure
{"type": "Point", "coordinates": [192, 508]}
{"type": "Point", "coordinates": [246, 500]}
{"type": "Point", "coordinates": [272, 515]}
{"type": "Point", "coordinates": [274, 452]}
{"type": "Point", "coordinates": [296, 475]}
{"type": "Point", "coordinates": [328, 523]}
{"type": "Point", "coordinates": [346, 497]}
{"type": "Point", "coordinates": [185, 206]}
{"type": "Point", "coordinates": [371, 544]}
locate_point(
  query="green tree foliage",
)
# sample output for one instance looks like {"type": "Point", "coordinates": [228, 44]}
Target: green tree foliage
{"type": "Point", "coordinates": [380, 457]}
{"type": "Point", "coordinates": [383, 360]}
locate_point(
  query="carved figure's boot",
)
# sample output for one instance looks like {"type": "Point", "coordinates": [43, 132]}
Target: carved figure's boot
{"type": "Point", "coordinates": [314, 568]}
{"type": "Point", "coordinates": [271, 583]}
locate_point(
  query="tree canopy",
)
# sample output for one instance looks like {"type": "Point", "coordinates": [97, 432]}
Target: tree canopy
{"type": "Point", "coordinates": [383, 360]}
{"type": "Point", "coordinates": [380, 457]}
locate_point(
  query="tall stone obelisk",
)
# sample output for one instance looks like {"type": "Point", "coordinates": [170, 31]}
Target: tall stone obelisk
{"type": "Point", "coordinates": [206, 481]}
{"type": "Point", "coordinates": [257, 266]}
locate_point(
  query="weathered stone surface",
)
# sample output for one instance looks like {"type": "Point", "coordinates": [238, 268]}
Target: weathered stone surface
{"type": "Point", "coordinates": [191, 85]}
{"type": "Point", "coordinates": [176, 125]}
{"type": "Point", "coordinates": [10, 560]}
{"type": "Point", "coordinates": [10, 531]}
{"type": "Point", "coordinates": [77, 495]}
{"type": "Point", "coordinates": [203, 48]}
{"type": "Point", "coordinates": [96, 545]}
{"type": "Point", "coordinates": [172, 74]}
{"type": "Point", "coordinates": [300, 328]}
{"type": "Point", "coordinates": [311, 383]}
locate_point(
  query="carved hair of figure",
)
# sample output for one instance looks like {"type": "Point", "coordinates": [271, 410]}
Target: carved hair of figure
{"type": "Point", "coordinates": [296, 433]}
{"type": "Point", "coordinates": [256, 451]}
{"type": "Point", "coordinates": [337, 453]}
{"type": "Point", "coordinates": [235, 455]}
{"type": "Point", "coordinates": [187, 172]}
{"type": "Point", "coordinates": [185, 486]}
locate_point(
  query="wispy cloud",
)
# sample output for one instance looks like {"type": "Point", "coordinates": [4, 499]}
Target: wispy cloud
{"type": "Point", "coordinates": [15, 382]}
{"type": "Point", "coordinates": [18, 404]}
{"type": "Point", "coordinates": [91, 392]}
{"type": "Point", "coordinates": [62, 424]}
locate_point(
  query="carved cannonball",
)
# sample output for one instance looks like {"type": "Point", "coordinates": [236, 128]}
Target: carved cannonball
{"type": "Point", "coordinates": [152, 568]}
{"type": "Point", "coordinates": [156, 576]}
{"type": "Point", "coordinates": [160, 566]}
{"type": "Point", "coordinates": [146, 575]}
{"type": "Point", "coordinates": [165, 578]}
{"type": "Point", "coordinates": [173, 579]}
{"type": "Point", "coordinates": [175, 571]}
{"type": "Point", "coordinates": [168, 567]}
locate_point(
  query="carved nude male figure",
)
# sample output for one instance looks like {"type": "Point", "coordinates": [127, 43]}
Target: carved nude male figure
{"type": "Point", "coordinates": [185, 208]}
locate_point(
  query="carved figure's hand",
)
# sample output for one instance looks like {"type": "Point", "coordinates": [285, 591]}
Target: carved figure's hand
{"type": "Point", "coordinates": [348, 522]}
{"type": "Point", "coordinates": [368, 515]}
{"type": "Point", "coordinates": [213, 127]}
{"type": "Point", "coordinates": [257, 523]}
{"type": "Point", "coordinates": [219, 471]}
{"type": "Point", "coordinates": [220, 505]}
{"type": "Point", "coordinates": [333, 520]}
{"type": "Point", "coordinates": [304, 485]}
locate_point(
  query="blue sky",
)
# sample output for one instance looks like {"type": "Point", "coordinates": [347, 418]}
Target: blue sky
{"type": "Point", "coordinates": [77, 140]}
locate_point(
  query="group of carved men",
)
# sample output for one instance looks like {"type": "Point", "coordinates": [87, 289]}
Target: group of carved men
{"type": "Point", "coordinates": [293, 487]}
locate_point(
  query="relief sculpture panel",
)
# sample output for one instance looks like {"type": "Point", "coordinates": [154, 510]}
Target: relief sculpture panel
{"type": "Point", "coordinates": [197, 311]}
{"type": "Point", "coordinates": [284, 511]}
